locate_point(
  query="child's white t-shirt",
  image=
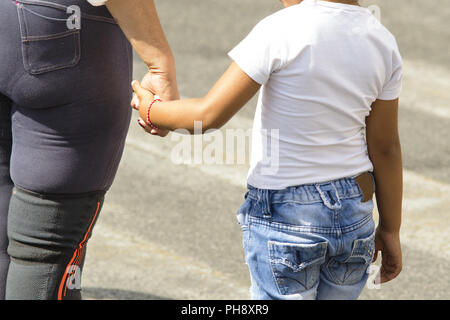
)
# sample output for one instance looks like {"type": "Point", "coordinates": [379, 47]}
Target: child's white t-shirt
{"type": "Point", "coordinates": [322, 65]}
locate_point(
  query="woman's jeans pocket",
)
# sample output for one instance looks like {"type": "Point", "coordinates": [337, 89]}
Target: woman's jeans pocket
{"type": "Point", "coordinates": [354, 268]}
{"type": "Point", "coordinates": [296, 267]}
{"type": "Point", "coordinates": [48, 44]}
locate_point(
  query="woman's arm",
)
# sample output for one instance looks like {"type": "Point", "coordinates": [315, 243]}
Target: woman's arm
{"type": "Point", "coordinates": [140, 23]}
{"type": "Point", "coordinates": [231, 92]}
{"type": "Point", "coordinates": [385, 153]}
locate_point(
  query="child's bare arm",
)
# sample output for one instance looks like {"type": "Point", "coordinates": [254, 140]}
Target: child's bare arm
{"type": "Point", "coordinates": [231, 92]}
{"type": "Point", "coordinates": [385, 153]}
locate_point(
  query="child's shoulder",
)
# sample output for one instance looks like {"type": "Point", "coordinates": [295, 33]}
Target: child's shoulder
{"type": "Point", "coordinates": [283, 21]}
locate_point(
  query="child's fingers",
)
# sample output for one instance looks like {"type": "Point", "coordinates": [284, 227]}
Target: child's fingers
{"type": "Point", "coordinates": [147, 128]}
{"type": "Point", "coordinates": [144, 125]}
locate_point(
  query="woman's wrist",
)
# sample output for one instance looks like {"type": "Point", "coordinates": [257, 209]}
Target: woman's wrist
{"type": "Point", "coordinates": [164, 81]}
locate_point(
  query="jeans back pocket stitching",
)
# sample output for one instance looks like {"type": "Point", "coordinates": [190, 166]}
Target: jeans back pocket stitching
{"type": "Point", "coordinates": [320, 260]}
{"type": "Point", "coordinates": [332, 261]}
{"type": "Point", "coordinates": [26, 39]}
{"type": "Point", "coordinates": [41, 15]}
{"type": "Point", "coordinates": [363, 241]}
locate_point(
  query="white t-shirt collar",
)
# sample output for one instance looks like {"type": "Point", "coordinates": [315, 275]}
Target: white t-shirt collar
{"type": "Point", "coordinates": [336, 5]}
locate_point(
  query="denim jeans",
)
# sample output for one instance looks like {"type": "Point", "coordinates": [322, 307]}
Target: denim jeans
{"type": "Point", "coordinates": [313, 241]}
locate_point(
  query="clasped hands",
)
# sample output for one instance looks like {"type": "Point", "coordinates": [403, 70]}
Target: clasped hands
{"type": "Point", "coordinates": [153, 86]}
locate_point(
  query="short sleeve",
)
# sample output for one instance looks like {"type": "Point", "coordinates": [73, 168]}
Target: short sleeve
{"type": "Point", "coordinates": [257, 55]}
{"type": "Point", "coordinates": [97, 2]}
{"type": "Point", "coordinates": [393, 87]}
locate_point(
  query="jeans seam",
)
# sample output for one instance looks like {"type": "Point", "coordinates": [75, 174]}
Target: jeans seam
{"type": "Point", "coordinates": [49, 37]}
{"type": "Point", "coordinates": [318, 200]}
{"type": "Point", "coordinates": [292, 228]}
{"type": "Point", "coordinates": [269, 250]}
{"type": "Point", "coordinates": [58, 196]}
{"type": "Point", "coordinates": [362, 223]}
{"type": "Point", "coordinates": [357, 225]}
{"type": "Point", "coordinates": [310, 229]}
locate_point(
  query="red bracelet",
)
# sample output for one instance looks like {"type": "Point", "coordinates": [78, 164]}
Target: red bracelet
{"type": "Point", "coordinates": [148, 114]}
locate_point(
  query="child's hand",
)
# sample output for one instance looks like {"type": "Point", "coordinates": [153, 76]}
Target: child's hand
{"type": "Point", "coordinates": [141, 101]}
{"type": "Point", "coordinates": [391, 254]}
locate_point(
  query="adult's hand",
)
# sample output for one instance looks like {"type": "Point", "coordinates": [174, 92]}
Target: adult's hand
{"type": "Point", "coordinates": [165, 88]}
{"type": "Point", "coordinates": [140, 22]}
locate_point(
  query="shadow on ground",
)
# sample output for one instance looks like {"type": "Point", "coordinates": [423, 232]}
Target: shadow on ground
{"type": "Point", "coordinates": [117, 294]}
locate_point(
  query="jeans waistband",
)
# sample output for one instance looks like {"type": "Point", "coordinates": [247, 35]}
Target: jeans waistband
{"type": "Point", "coordinates": [330, 193]}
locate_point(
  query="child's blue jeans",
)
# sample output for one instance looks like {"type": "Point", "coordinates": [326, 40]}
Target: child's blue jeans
{"type": "Point", "coordinates": [313, 241]}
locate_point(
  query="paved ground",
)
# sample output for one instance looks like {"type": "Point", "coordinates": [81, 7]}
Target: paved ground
{"type": "Point", "coordinates": [168, 231]}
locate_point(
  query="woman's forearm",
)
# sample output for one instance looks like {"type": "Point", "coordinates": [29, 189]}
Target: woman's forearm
{"type": "Point", "coordinates": [140, 23]}
{"type": "Point", "coordinates": [388, 174]}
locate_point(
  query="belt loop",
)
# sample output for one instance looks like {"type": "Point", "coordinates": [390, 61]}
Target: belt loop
{"type": "Point", "coordinates": [265, 204]}
{"type": "Point", "coordinates": [329, 196]}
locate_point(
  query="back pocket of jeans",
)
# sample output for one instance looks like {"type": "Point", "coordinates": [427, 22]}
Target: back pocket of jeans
{"type": "Point", "coordinates": [296, 267]}
{"type": "Point", "coordinates": [47, 42]}
{"type": "Point", "coordinates": [353, 269]}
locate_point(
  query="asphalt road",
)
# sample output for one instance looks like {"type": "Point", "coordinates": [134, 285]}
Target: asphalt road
{"type": "Point", "coordinates": [168, 230]}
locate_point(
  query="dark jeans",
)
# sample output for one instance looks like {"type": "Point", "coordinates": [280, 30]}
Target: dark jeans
{"type": "Point", "coordinates": [64, 115]}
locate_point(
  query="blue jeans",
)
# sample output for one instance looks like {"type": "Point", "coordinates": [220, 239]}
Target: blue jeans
{"type": "Point", "coordinates": [313, 241]}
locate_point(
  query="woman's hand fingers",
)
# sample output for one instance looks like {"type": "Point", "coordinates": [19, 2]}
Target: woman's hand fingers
{"type": "Point", "coordinates": [140, 92]}
{"type": "Point", "coordinates": [142, 95]}
{"type": "Point", "coordinates": [135, 102]}
{"type": "Point", "coordinates": [142, 100]}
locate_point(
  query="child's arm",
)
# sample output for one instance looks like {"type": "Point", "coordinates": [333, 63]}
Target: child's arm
{"type": "Point", "coordinates": [385, 153]}
{"type": "Point", "coordinates": [231, 92]}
